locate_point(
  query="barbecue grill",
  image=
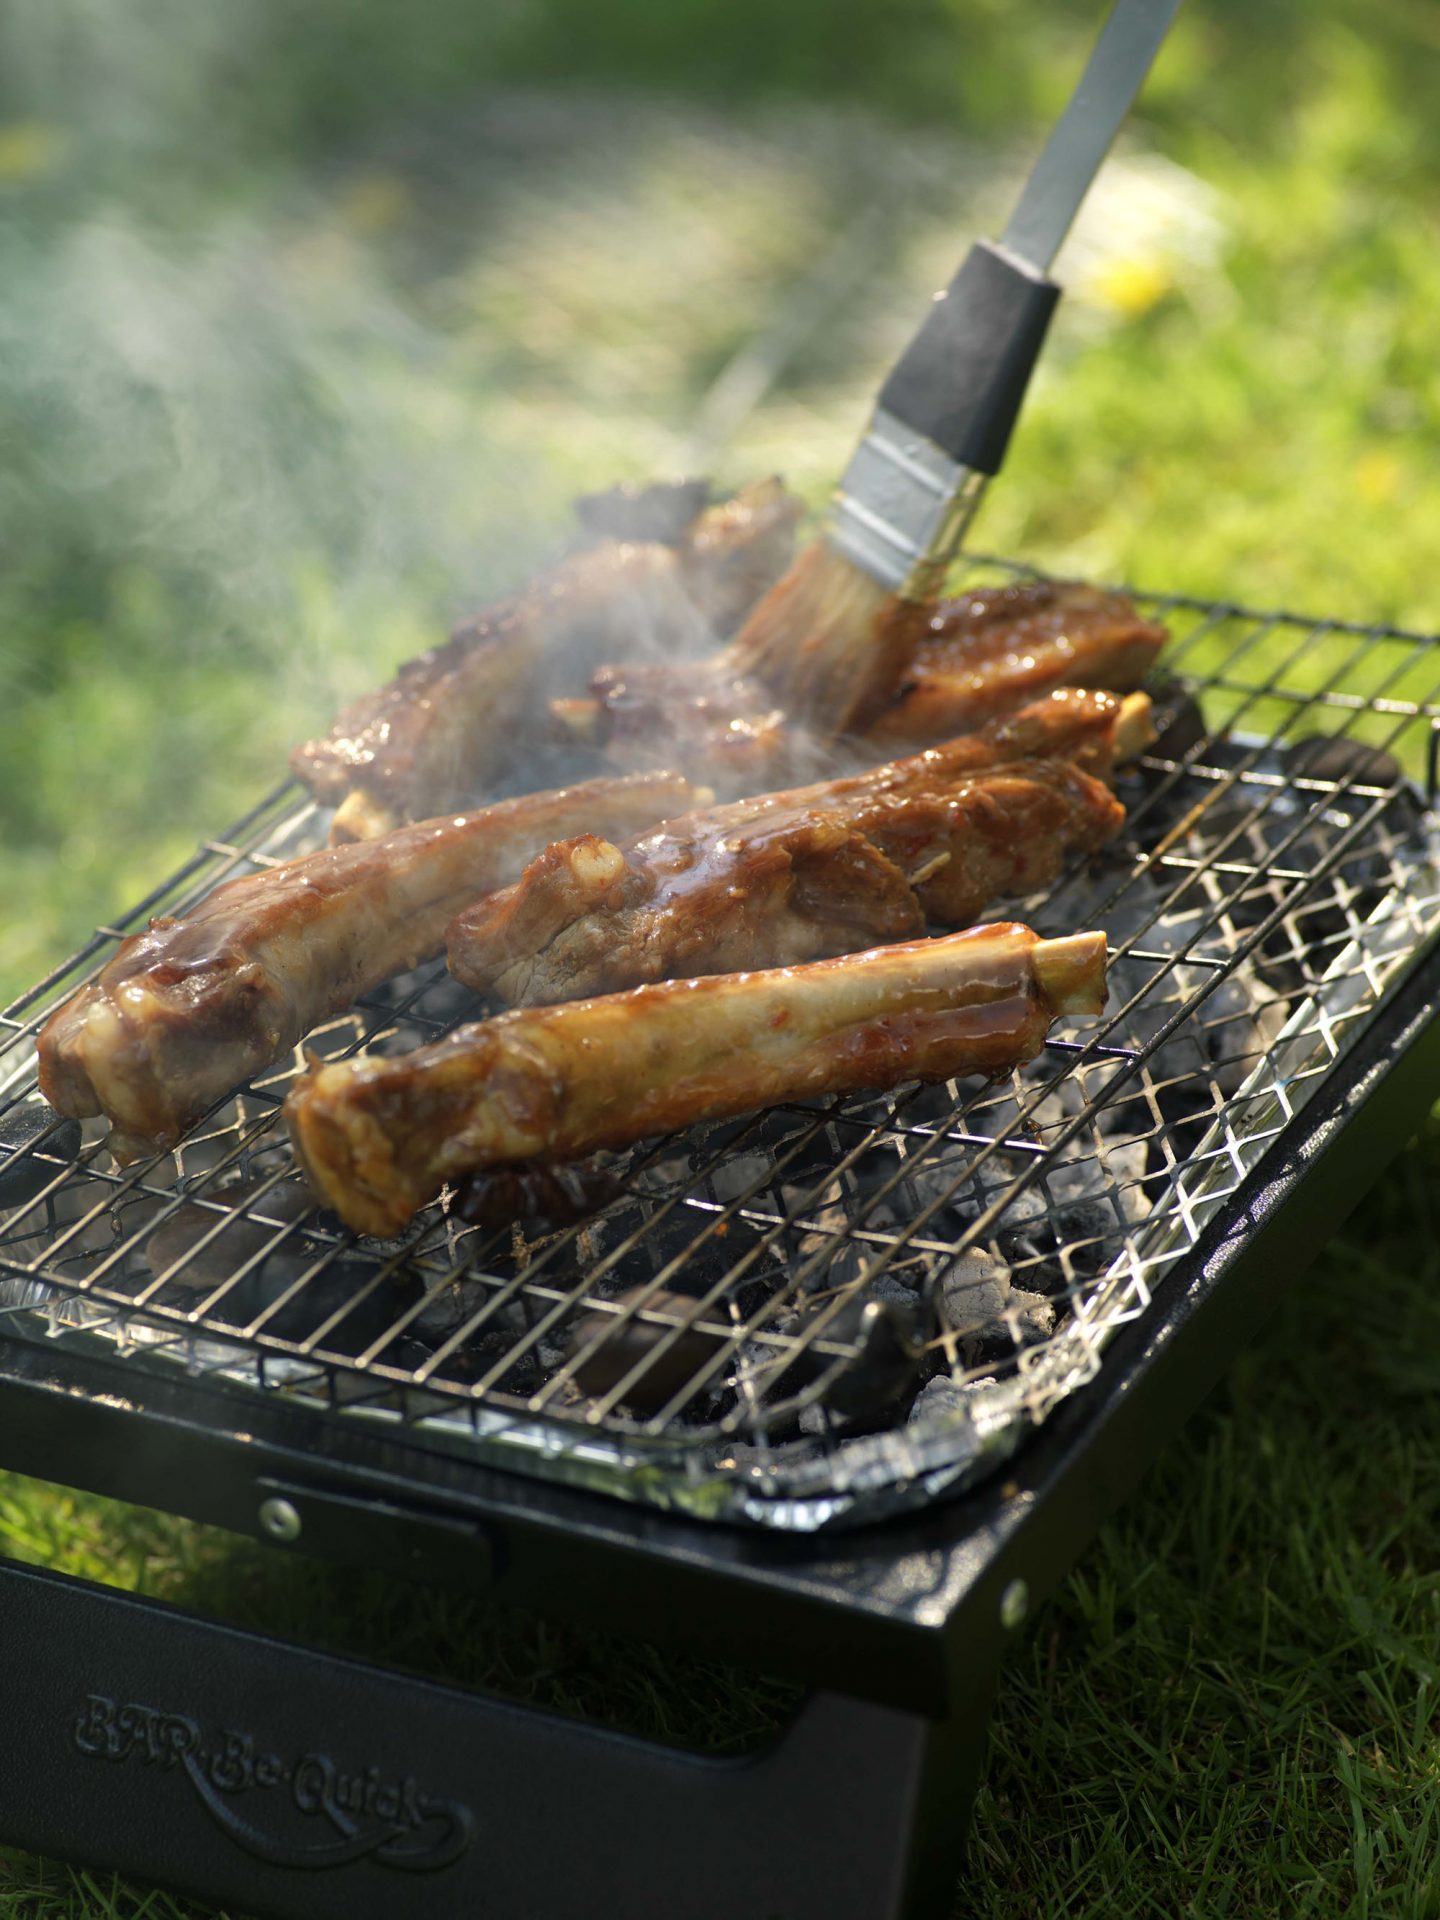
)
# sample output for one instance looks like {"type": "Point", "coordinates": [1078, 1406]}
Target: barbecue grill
{"type": "Point", "coordinates": [842, 1387]}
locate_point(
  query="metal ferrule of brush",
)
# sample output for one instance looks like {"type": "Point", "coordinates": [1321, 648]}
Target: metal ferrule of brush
{"type": "Point", "coordinates": [942, 423]}
{"type": "Point", "coordinates": [902, 507]}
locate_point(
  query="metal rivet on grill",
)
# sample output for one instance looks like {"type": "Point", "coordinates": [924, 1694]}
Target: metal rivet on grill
{"type": "Point", "coordinates": [280, 1519]}
{"type": "Point", "coordinates": [33, 1126]}
{"type": "Point", "coordinates": [1014, 1605]}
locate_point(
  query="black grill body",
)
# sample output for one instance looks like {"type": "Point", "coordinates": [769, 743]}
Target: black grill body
{"type": "Point", "coordinates": [292, 1782]}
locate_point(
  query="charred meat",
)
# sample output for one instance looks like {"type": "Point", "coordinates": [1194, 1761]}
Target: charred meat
{"type": "Point", "coordinates": [192, 1006]}
{"type": "Point", "coordinates": [726, 728]}
{"type": "Point", "coordinates": [378, 1138]}
{"type": "Point", "coordinates": [451, 721]}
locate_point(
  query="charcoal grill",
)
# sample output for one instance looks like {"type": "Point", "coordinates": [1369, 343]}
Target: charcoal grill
{"type": "Point", "coordinates": [842, 1389]}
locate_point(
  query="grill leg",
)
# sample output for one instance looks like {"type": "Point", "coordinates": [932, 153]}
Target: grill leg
{"type": "Point", "coordinates": [295, 1784]}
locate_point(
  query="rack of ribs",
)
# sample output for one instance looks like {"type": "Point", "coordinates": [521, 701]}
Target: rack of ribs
{"type": "Point", "coordinates": [789, 877]}
{"type": "Point", "coordinates": [185, 1011]}
{"type": "Point", "coordinates": [378, 1138]}
{"type": "Point", "coordinates": [451, 722]}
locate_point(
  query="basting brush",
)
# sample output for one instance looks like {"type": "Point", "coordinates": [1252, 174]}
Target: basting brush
{"type": "Point", "coordinates": [833, 637]}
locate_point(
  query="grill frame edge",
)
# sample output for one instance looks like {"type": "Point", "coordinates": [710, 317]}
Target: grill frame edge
{"type": "Point", "coordinates": [65, 1421]}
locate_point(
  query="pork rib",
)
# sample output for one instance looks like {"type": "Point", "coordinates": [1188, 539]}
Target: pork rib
{"type": "Point", "coordinates": [788, 877]}
{"type": "Point", "coordinates": [186, 1010]}
{"type": "Point", "coordinates": [988, 651]}
{"type": "Point", "coordinates": [451, 721]}
{"type": "Point", "coordinates": [378, 1138]}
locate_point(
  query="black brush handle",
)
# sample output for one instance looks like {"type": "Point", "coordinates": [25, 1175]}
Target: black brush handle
{"type": "Point", "coordinates": [961, 380]}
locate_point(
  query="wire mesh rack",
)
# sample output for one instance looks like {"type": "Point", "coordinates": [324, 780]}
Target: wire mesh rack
{"type": "Point", "coordinates": [820, 1312]}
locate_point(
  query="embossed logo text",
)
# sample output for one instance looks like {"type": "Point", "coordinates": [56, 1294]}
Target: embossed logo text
{"type": "Point", "coordinates": [303, 1810]}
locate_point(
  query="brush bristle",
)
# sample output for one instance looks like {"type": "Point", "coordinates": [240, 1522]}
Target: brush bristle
{"type": "Point", "coordinates": [829, 641]}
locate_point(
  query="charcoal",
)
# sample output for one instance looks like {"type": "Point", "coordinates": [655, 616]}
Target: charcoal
{"type": "Point", "coordinates": [747, 1172]}
{"type": "Point", "coordinates": [525, 1373]}
{"type": "Point", "coordinates": [944, 1399]}
{"type": "Point", "coordinates": [34, 1142]}
{"type": "Point", "coordinates": [1334, 757]}
{"type": "Point", "coordinates": [258, 1210]}
{"type": "Point", "coordinates": [1264, 823]}
{"type": "Point", "coordinates": [981, 1301]}
{"type": "Point", "coordinates": [1239, 1021]}
{"type": "Point", "coordinates": [808, 1152]}
{"type": "Point", "coordinates": [698, 1248]}
{"type": "Point", "coordinates": [447, 1309]}
{"type": "Point", "coordinates": [889, 1338]}
{"type": "Point", "coordinates": [291, 1284]}
{"type": "Point", "coordinates": [343, 1294]}
{"type": "Point", "coordinates": [840, 1261]}
{"type": "Point", "coordinates": [1230, 1028]}
{"type": "Point", "coordinates": [1180, 725]}
{"type": "Point", "coordinates": [610, 1348]}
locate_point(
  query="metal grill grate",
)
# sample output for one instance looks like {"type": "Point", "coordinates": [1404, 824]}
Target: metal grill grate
{"type": "Point", "coordinates": [820, 1310]}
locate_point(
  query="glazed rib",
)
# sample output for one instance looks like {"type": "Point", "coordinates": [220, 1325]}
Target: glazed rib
{"type": "Point", "coordinates": [192, 1006]}
{"type": "Point", "coordinates": [588, 918]}
{"type": "Point", "coordinates": [451, 721]}
{"type": "Point", "coordinates": [988, 651]}
{"type": "Point", "coordinates": [728, 729]}
{"type": "Point", "coordinates": [378, 1138]}
{"type": "Point", "coordinates": [788, 877]}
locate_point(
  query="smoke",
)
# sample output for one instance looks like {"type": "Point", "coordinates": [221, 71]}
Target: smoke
{"type": "Point", "coordinates": [270, 430]}
{"type": "Point", "coordinates": [209, 411]}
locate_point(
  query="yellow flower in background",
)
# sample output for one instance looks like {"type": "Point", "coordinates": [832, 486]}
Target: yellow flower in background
{"type": "Point", "coordinates": [1131, 286]}
{"type": "Point", "coordinates": [1149, 229]}
{"type": "Point", "coordinates": [28, 148]}
{"type": "Point", "coordinates": [1377, 476]}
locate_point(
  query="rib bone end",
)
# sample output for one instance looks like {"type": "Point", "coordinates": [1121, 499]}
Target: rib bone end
{"type": "Point", "coordinates": [1134, 727]}
{"type": "Point", "coordinates": [1071, 972]}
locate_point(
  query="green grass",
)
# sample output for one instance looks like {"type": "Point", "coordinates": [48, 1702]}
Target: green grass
{"type": "Point", "coordinates": [307, 334]}
{"type": "Point", "coordinates": [1231, 1708]}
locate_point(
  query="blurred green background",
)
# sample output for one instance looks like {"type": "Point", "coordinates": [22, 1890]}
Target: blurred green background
{"type": "Point", "coordinates": [312, 320]}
